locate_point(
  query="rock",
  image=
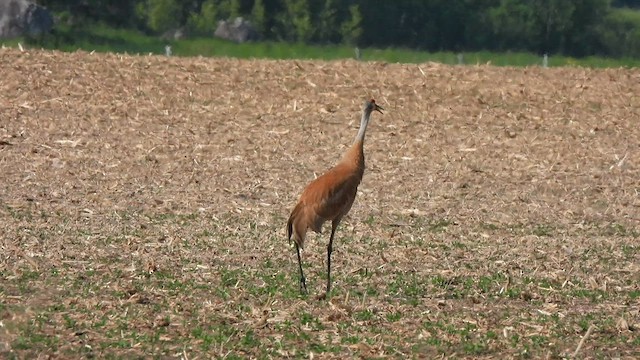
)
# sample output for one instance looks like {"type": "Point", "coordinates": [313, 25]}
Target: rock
{"type": "Point", "coordinates": [175, 34]}
{"type": "Point", "coordinates": [239, 30]}
{"type": "Point", "coordinates": [37, 20]}
{"type": "Point", "coordinates": [23, 18]}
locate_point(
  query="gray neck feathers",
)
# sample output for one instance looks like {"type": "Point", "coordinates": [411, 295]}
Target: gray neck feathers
{"type": "Point", "coordinates": [363, 126]}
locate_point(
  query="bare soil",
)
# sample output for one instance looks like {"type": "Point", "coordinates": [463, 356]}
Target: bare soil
{"type": "Point", "coordinates": [144, 201]}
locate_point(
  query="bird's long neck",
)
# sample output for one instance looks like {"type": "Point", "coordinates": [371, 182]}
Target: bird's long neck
{"type": "Point", "coordinates": [363, 127]}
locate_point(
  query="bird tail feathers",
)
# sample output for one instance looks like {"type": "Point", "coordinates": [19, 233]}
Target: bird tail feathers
{"type": "Point", "coordinates": [289, 229]}
{"type": "Point", "coordinates": [292, 226]}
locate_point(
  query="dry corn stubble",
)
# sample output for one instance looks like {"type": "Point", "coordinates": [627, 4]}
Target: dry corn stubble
{"type": "Point", "coordinates": [144, 201]}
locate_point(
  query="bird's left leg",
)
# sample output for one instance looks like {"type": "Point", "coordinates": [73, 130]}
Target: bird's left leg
{"type": "Point", "coordinates": [303, 282]}
{"type": "Point", "coordinates": [334, 226]}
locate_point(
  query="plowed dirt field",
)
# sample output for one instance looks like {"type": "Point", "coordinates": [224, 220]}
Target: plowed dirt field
{"type": "Point", "coordinates": [143, 204]}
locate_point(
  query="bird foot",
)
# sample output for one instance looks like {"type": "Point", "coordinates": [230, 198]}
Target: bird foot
{"type": "Point", "coordinates": [303, 286]}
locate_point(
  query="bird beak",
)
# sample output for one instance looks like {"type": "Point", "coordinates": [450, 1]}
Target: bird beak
{"type": "Point", "coordinates": [379, 109]}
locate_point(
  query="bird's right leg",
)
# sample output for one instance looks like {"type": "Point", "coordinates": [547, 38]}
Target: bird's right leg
{"type": "Point", "coordinates": [334, 226]}
{"type": "Point", "coordinates": [303, 281]}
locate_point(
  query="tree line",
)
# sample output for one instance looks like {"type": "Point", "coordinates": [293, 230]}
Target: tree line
{"type": "Point", "coordinates": [568, 27]}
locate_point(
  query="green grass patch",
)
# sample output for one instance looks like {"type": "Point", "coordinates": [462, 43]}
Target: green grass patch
{"type": "Point", "coordinates": [101, 38]}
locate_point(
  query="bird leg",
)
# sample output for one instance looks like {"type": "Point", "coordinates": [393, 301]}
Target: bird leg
{"type": "Point", "coordinates": [334, 225]}
{"type": "Point", "coordinates": [303, 282]}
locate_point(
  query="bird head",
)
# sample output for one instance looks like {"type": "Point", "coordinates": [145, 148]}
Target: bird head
{"type": "Point", "coordinates": [371, 106]}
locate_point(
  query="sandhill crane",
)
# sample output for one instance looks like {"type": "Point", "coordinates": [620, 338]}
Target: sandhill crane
{"type": "Point", "coordinates": [330, 196]}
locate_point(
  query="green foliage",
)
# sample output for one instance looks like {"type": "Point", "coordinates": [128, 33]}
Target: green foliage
{"type": "Point", "coordinates": [551, 21]}
{"type": "Point", "coordinates": [351, 29]}
{"type": "Point", "coordinates": [327, 26]}
{"type": "Point", "coordinates": [121, 13]}
{"type": "Point", "coordinates": [259, 16]}
{"type": "Point", "coordinates": [295, 21]}
{"type": "Point", "coordinates": [621, 33]}
{"type": "Point", "coordinates": [512, 24]}
{"type": "Point", "coordinates": [625, 3]}
{"type": "Point", "coordinates": [204, 21]}
{"type": "Point", "coordinates": [583, 38]}
{"type": "Point", "coordinates": [234, 8]}
{"type": "Point", "coordinates": [106, 39]}
{"type": "Point", "coordinates": [162, 14]}
{"type": "Point", "coordinates": [572, 27]}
